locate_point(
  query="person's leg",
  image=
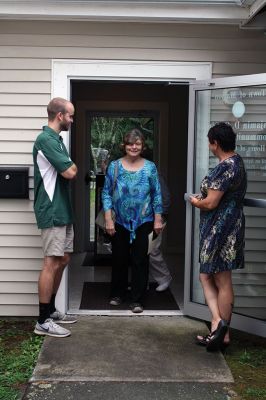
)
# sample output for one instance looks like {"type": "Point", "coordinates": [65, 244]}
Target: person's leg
{"type": "Point", "coordinates": [45, 325]}
{"type": "Point", "coordinates": [218, 325]}
{"type": "Point", "coordinates": [158, 269]}
{"type": "Point", "coordinates": [53, 245]}
{"type": "Point", "coordinates": [67, 240]}
{"type": "Point", "coordinates": [211, 296]}
{"type": "Point", "coordinates": [51, 267]}
{"type": "Point", "coordinates": [55, 314]}
{"type": "Point", "coordinates": [140, 263]}
{"type": "Point", "coordinates": [63, 238]}
{"type": "Point", "coordinates": [120, 258]}
{"type": "Point", "coordinates": [223, 281]}
{"type": "Point", "coordinates": [63, 262]}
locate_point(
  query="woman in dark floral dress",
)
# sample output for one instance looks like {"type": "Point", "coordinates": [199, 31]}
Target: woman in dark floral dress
{"type": "Point", "coordinates": [222, 229]}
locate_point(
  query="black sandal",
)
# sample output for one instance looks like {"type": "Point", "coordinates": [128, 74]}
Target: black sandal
{"type": "Point", "coordinates": [217, 337]}
{"type": "Point", "coordinates": [205, 339]}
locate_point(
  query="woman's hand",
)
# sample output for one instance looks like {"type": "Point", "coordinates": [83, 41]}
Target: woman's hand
{"type": "Point", "coordinates": [208, 203]}
{"type": "Point", "coordinates": [158, 224]}
{"type": "Point", "coordinates": [194, 200]}
{"type": "Point", "coordinates": [109, 223]}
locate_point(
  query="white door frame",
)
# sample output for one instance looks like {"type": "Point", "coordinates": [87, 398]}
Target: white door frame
{"type": "Point", "coordinates": [63, 71]}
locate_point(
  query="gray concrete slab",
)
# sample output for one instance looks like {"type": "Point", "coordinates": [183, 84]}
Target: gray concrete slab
{"type": "Point", "coordinates": [131, 349]}
{"type": "Point", "coordinates": [127, 391]}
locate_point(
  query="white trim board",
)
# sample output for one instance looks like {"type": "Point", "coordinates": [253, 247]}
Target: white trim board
{"type": "Point", "coordinates": [63, 71]}
{"type": "Point", "coordinates": [127, 313]}
{"type": "Point", "coordinates": [226, 11]}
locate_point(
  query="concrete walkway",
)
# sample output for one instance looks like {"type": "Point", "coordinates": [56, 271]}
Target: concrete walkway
{"type": "Point", "coordinates": [128, 358]}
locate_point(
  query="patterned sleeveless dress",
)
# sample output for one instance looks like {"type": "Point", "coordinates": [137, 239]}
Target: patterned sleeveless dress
{"type": "Point", "coordinates": [222, 230]}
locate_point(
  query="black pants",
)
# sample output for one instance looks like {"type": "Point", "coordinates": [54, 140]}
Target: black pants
{"type": "Point", "coordinates": [135, 253]}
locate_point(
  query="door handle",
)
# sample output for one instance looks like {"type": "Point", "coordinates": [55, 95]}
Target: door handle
{"type": "Point", "coordinates": [249, 202]}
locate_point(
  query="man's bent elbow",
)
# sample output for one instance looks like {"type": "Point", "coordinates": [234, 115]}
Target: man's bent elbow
{"type": "Point", "coordinates": [70, 173]}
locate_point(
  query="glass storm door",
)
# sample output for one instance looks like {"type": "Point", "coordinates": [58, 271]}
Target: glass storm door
{"type": "Point", "coordinates": [241, 101]}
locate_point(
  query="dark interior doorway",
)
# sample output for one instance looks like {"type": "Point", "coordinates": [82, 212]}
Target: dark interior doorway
{"type": "Point", "coordinates": [105, 131]}
{"type": "Point", "coordinates": [170, 102]}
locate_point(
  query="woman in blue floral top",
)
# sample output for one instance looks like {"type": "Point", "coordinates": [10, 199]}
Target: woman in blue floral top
{"type": "Point", "coordinates": [132, 190]}
{"type": "Point", "coordinates": [222, 229]}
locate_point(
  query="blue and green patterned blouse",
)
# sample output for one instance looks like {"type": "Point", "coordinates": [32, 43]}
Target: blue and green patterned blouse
{"type": "Point", "coordinates": [136, 197]}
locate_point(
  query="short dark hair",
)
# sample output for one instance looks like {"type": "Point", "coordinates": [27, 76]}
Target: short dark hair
{"type": "Point", "coordinates": [224, 135]}
{"type": "Point", "coordinates": [132, 137]}
{"type": "Point", "coordinates": [56, 105]}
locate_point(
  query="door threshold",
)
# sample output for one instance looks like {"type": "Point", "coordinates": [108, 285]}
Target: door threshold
{"type": "Point", "coordinates": [127, 313]}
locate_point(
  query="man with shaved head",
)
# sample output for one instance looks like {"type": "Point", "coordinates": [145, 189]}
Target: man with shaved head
{"type": "Point", "coordinates": [53, 171]}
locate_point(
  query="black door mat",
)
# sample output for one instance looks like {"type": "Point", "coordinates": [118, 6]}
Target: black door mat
{"type": "Point", "coordinates": [92, 260]}
{"type": "Point", "coordinates": [95, 296]}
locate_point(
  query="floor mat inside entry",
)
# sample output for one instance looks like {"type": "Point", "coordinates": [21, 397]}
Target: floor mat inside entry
{"type": "Point", "coordinates": [95, 296]}
{"type": "Point", "coordinates": [92, 260]}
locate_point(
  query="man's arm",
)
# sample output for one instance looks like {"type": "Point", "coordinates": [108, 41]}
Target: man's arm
{"type": "Point", "coordinates": [71, 172]}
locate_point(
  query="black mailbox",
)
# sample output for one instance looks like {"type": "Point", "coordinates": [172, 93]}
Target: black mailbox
{"type": "Point", "coordinates": [14, 183]}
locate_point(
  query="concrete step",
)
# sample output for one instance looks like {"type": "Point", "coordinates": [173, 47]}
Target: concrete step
{"type": "Point", "coordinates": [127, 391]}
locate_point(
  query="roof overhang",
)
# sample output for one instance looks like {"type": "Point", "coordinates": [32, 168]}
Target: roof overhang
{"type": "Point", "coordinates": [257, 15]}
{"type": "Point", "coordinates": [190, 11]}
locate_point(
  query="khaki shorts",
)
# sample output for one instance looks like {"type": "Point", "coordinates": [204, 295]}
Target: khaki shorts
{"type": "Point", "coordinates": [57, 240]}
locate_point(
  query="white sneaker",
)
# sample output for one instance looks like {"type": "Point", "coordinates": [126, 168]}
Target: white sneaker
{"type": "Point", "coordinates": [164, 285]}
{"type": "Point", "coordinates": [115, 301]}
{"type": "Point", "coordinates": [136, 308]}
{"type": "Point", "coordinates": [61, 318]}
{"type": "Point", "coordinates": [50, 328]}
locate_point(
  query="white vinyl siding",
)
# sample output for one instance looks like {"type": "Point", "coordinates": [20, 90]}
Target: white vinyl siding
{"type": "Point", "coordinates": [26, 51]}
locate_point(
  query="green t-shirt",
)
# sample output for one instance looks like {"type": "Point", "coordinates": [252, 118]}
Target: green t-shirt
{"type": "Point", "coordinates": [52, 202]}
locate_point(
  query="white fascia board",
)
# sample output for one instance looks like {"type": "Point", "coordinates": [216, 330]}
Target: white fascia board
{"type": "Point", "coordinates": [120, 11]}
{"type": "Point", "coordinates": [256, 6]}
{"type": "Point", "coordinates": [247, 3]}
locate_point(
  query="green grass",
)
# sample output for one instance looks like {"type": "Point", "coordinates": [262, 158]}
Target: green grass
{"type": "Point", "coordinates": [246, 358]}
{"type": "Point", "coordinates": [19, 349]}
